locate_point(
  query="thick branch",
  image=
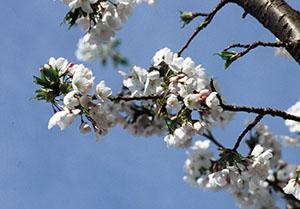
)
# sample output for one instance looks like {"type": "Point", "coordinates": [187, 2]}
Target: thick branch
{"type": "Point", "coordinates": [279, 18]}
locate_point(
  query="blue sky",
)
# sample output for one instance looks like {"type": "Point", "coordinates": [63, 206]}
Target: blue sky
{"type": "Point", "coordinates": [67, 170]}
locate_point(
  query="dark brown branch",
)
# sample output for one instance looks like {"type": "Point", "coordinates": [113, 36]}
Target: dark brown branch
{"type": "Point", "coordinates": [210, 136]}
{"type": "Point", "coordinates": [200, 14]}
{"type": "Point", "coordinates": [279, 18]}
{"type": "Point", "coordinates": [203, 25]}
{"type": "Point", "coordinates": [255, 44]}
{"type": "Point", "coordinates": [262, 111]}
{"type": "Point", "coordinates": [257, 110]}
{"type": "Point", "coordinates": [246, 130]}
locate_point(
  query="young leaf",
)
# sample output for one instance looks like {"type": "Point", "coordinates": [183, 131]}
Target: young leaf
{"type": "Point", "coordinates": [229, 57]}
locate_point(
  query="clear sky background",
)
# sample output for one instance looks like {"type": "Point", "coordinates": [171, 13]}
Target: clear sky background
{"type": "Point", "coordinates": [68, 170]}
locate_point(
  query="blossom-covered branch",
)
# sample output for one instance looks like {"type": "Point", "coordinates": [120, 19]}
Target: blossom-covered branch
{"type": "Point", "coordinates": [173, 98]}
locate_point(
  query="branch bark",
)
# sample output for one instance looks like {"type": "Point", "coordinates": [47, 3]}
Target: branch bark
{"type": "Point", "coordinates": [279, 18]}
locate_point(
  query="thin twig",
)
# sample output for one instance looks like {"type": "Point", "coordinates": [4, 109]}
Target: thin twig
{"type": "Point", "coordinates": [246, 130]}
{"type": "Point", "coordinates": [210, 136]}
{"type": "Point", "coordinates": [256, 44]}
{"type": "Point", "coordinates": [249, 47]}
{"type": "Point", "coordinates": [204, 23]}
{"type": "Point", "coordinates": [200, 14]}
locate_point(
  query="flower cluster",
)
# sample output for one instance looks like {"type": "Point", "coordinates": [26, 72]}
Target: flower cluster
{"type": "Point", "coordinates": [89, 52]}
{"type": "Point", "coordinates": [100, 20]}
{"type": "Point", "coordinates": [183, 91]}
{"type": "Point", "coordinates": [243, 177]}
{"type": "Point", "coordinates": [176, 91]}
{"type": "Point", "coordinates": [172, 98]}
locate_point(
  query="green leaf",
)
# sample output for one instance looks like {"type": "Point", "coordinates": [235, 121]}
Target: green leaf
{"type": "Point", "coordinates": [186, 17]}
{"type": "Point", "coordinates": [226, 54]}
{"type": "Point", "coordinates": [52, 74]}
{"type": "Point", "coordinates": [44, 94]}
{"type": "Point", "coordinates": [229, 57]}
{"type": "Point", "coordinates": [72, 16]}
{"type": "Point", "coordinates": [116, 43]}
{"type": "Point", "coordinates": [41, 81]}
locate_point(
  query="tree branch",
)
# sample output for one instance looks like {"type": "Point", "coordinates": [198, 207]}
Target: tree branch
{"type": "Point", "coordinates": [258, 110]}
{"type": "Point", "coordinates": [247, 129]}
{"type": "Point", "coordinates": [210, 136]}
{"type": "Point", "coordinates": [279, 18]}
{"type": "Point", "coordinates": [262, 111]}
{"type": "Point", "coordinates": [203, 25]}
{"type": "Point", "coordinates": [249, 47]}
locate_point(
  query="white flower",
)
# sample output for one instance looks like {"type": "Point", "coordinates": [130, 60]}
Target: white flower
{"type": "Point", "coordinates": [188, 66]}
{"type": "Point", "coordinates": [201, 145]}
{"type": "Point", "coordinates": [200, 127]}
{"type": "Point", "coordinates": [176, 64]}
{"type": "Point", "coordinates": [83, 79]}
{"type": "Point", "coordinates": [293, 187]}
{"type": "Point", "coordinates": [173, 105]}
{"type": "Point", "coordinates": [103, 120]}
{"type": "Point", "coordinates": [152, 85]}
{"type": "Point", "coordinates": [163, 55]}
{"type": "Point", "coordinates": [102, 91]}
{"type": "Point", "coordinates": [87, 51]}
{"type": "Point", "coordinates": [191, 101]}
{"type": "Point", "coordinates": [261, 163]}
{"type": "Point", "coordinates": [198, 163]}
{"type": "Point", "coordinates": [172, 101]}
{"type": "Point", "coordinates": [63, 118]}
{"type": "Point", "coordinates": [267, 140]}
{"type": "Point", "coordinates": [181, 137]}
{"type": "Point", "coordinates": [212, 100]}
{"type": "Point", "coordinates": [219, 179]}
{"type": "Point", "coordinates": [61, 64]}
{"type": "Point", "coordinates": [136, 81]}
{"type": "Point", "coordinates": [111, 17]}
{"type": "Point", "coordinates": [84, 23]}
{"type": "Point", "coordinates": [100, 33]}
{"type": "Point", "coordinates": [260, 155]}
{"type": "Point", "coordinates": [293, 125]}
{"type": "Point", "coordinates": [70, 101]}
{"type": "Point", "coordinates": [124, 10]}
